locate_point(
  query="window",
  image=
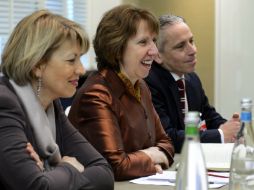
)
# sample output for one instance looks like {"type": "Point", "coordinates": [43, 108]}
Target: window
{"type": "Point", "coordinates": [12, 11]}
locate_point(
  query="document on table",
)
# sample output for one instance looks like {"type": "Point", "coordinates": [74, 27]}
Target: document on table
{"type": "Point", "coordinates": [217, 155]}
{"type": "Point", "coordinates": [215, 179]}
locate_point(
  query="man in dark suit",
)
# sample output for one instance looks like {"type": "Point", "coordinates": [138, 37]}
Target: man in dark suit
{"type": "Point", "coordinates": [176, 61]}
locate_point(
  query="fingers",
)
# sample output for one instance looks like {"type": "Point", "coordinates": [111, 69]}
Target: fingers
{"type": "Point", "coordinates": [157, 156]}
{"type": "Point", "coordinates": [236, 116]}
{"type": "Point", "coordinates": [158, 168]}
{"type": "Point", "coordinates": [164, 160]}
{"type": "Point", "coordinates": [74, 162]}
{"type": "Point", "coordinates": [32, 152]}
{"type": "Point", "coordinates": [40, 165]}
{"type": "Point", "coordinates": [230, 130]}
{"type": "Point", "coordinates": [29, 147]}
{"type": "Point", "coordinates": [152, 152]}
{"type": "Point", "coordinates": [34, 156]}
{"type": "Point", "coordinates": [233, 139]}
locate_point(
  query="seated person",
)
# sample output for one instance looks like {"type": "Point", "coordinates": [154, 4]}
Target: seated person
{"type": "Point", "coordinates": [113, 109]}
{"type": "Point", "coordinates": [177, 60]}
{"type": "Point", "coordinates": [39, 147]}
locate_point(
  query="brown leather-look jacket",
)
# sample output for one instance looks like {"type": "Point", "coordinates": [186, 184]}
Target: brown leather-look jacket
{"type": "Point", "coordinates": [118, 125]}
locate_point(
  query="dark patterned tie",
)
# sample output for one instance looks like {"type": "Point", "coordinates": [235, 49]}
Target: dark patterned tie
{"type": "Point", "coordinates": [181, 91]}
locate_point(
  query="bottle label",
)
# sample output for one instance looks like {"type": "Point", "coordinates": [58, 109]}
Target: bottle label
{"type": "Point", "coordinates": [191, 129]}
{"type": "Point", "coordinates": [246, 116]}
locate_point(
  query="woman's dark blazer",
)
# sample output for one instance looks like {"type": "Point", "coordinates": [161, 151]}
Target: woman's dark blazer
{"type": "Point", "coordinates": [19, 171]}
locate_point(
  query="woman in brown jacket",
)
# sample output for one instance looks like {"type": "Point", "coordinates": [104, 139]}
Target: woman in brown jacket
{"type": "Point", "coordinates": [113, 109]}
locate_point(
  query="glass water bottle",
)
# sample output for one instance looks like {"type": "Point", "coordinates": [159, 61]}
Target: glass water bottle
{"type": "Point", "coordinates": [191, 174]}
{"type": "Point", "coordinates": [242, 160]}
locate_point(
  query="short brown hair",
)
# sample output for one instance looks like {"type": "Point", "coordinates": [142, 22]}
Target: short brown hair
{"type": "Point", "coordinates": [115, 29]}
{"type": "Point", "coordinates": [34, 40]}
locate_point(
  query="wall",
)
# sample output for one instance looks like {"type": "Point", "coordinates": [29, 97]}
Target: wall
{"type": "Point", "coordinates": [234, 54]}
{"type": "Point", "coordinates": [95, 11]}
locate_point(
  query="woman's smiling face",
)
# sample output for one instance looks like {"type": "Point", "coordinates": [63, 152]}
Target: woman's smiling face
{"type": "Point", "coordinates": [139, 54]}
{"type": "Point", "coordinates": [61, 73]}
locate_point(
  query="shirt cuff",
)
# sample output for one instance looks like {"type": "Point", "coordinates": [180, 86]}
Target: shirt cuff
{"type": "Point", "coordinates": [221, 135]}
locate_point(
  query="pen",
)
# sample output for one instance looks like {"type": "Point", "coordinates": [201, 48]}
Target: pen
{"type": "Point", "coordinates": [171, 180]}
{"type": "Point", "coordinates": [210, 182]}
{"type": "Point", "coordinates": [217, 182]}
{"type": "Point", "coordinates": [217, 175]}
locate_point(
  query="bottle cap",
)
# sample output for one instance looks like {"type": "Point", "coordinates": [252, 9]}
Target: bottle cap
{"type": "Point", "coordinates": [192, 117]}
{"type": "Point", "coordinates": [246, 103]}
{"type": "Point", "coordinates": [191, 120]}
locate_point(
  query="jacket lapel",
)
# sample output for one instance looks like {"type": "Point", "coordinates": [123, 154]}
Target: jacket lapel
{"type": "Point", "coordinates": [114, 82]}
{"type": "Point", "coordinates": [172, 90]}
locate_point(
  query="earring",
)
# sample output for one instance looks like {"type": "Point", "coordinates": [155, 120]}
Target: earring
{"type": "Point", "coordinates": [39, 85]}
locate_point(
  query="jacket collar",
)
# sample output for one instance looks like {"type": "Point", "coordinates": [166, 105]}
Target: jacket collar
{"type": "Point", "coordinates": [114, 82]}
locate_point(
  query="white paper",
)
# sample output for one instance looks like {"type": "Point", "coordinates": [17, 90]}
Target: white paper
{"type": "Point", "coordinates": [217, 155]}
{"type": "Point", "coordinates": [169, 177]}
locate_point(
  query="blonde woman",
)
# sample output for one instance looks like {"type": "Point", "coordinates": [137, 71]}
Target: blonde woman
{"type": "Point", "coordinates": [39, 147]}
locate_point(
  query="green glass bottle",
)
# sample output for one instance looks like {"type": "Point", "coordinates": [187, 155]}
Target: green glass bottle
{"type": "Point", "coordinates": [191, 174]}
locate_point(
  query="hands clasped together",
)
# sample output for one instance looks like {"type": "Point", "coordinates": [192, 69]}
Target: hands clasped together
{"type": "Point", "coordinates": [71, 160]}
{"type": "Point", "coordinates": [158, 157]}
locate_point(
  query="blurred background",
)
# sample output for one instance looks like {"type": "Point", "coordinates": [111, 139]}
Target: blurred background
{"type": "Point", "coordinates": [223, 33]}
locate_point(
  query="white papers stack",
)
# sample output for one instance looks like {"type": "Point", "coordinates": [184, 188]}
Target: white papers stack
{"type": "Point", "coordinates": [217, 155]}
{"type": "Point", "coordinates": [218, 159]}
{"type": "Point", "coordinates": [169, 177]}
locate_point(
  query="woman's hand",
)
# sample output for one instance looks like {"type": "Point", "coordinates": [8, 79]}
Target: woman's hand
{"type": "Point", "coordinates": [35, 156]}
{"type": "Point", "coordinates": [74, 162]}
{"type": "Point", "coordinates": [158, 157]}
{"type": "Point", "coordinates": [71, 160]}
{"type": "Point", "coordinates": [158, 168]}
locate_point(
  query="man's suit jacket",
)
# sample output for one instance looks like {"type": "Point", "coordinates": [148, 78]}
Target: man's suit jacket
{"type": "Point", "coordinates": [166, 101]}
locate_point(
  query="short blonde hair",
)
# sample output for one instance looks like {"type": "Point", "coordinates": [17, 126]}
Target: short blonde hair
{"type": "Point", "coordinates": [34, 40]}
